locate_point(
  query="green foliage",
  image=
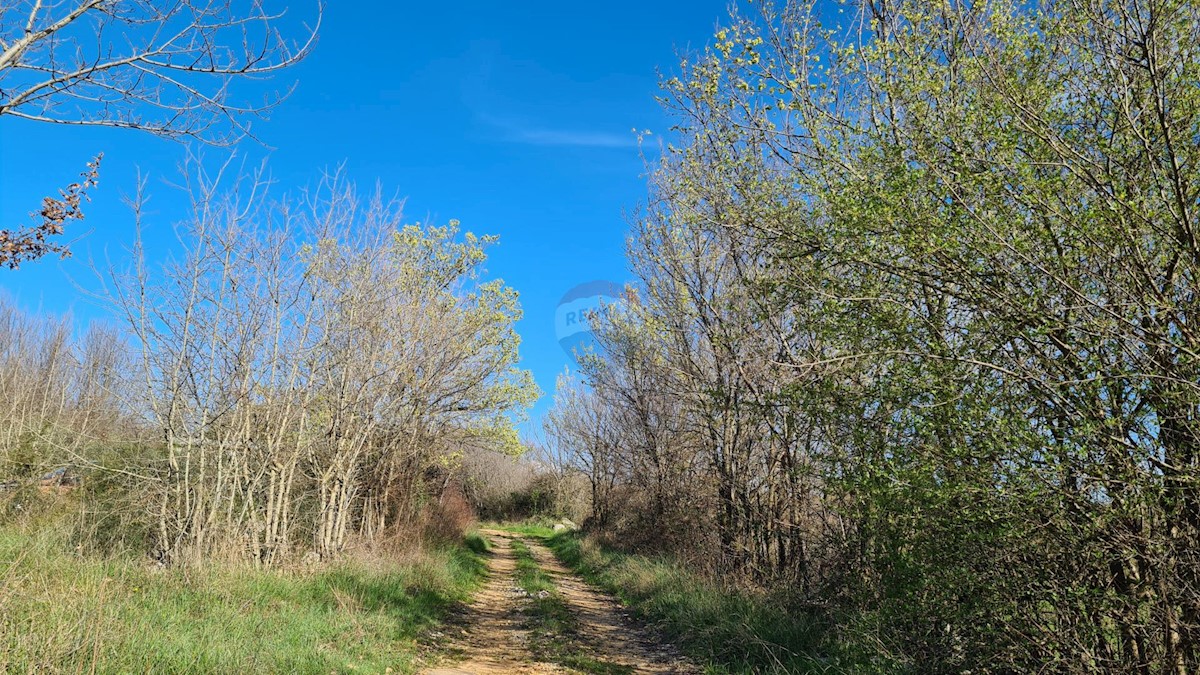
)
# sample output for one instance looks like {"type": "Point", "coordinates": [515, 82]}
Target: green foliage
{"type": "Point", "coordinates": [320, 377]}
{"type": "Point", "coordinates": [445, 312]}
{"type": "Point", "coordinates": [442, 268]}
{"type": "Point", "coordinates": [114, 513]}
{"type": "Point", "coordinates": [915, 331]}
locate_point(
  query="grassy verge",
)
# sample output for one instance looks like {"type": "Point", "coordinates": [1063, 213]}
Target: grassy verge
{"type": "Point", "coordinates": [553, 628]}
{"type": "Point", "coordinates": [62, 612]}
{"type": "Point", "coordinates": [727, 631]}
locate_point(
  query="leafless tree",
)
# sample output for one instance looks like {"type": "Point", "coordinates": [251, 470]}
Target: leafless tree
{"type": "Point", "coordinates": [61, 394]}
{"type": "Point", "coordinates": [172, 69]}
{"type": "Point", "coordinates": [305, 362]}
{"type": "Point", "coordinates": [169, 68]}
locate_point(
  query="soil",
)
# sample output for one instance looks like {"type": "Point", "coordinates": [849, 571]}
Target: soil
{"type": "Point", "coordinates": [493, 637]}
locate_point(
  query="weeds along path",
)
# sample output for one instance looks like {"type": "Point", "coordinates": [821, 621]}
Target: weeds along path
{"type": "Point", "coordinates": [565, 627]}
{"type": "Point", "coordinates": [602, 626]}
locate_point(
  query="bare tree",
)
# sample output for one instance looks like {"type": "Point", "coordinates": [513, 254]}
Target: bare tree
{"type": "Point", "coordinates": [920, 291]}
{"type": "Point", "coordinates": [61, 393]}
{"type": "Point", "coordinates": [169, 68]}
{"type": "Point", "coordinates": [305, 362]}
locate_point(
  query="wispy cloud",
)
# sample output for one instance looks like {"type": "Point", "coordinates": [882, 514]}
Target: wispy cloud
{"type": "Point", "coordinates": [514, 132]}
{"type": "Point", "coordinates": [582, 139]}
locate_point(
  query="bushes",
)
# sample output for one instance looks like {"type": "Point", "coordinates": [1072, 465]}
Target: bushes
{"type": "Point", "coordinates": [447, 518]}
{"type": "Point", "coordinates": [503, 488]}
{"type": "Point", "coordinates": [913, 328]}
{"type": "Point", "coordinates": [366, 353]}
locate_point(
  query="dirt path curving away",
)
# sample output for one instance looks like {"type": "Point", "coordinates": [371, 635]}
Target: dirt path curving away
{"type": "Point", "coordinates": [497, 641]}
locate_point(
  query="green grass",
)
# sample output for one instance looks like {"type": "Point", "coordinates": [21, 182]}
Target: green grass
{"type": "Point", "coordinates": [551, 617]}
{"type": "Point", "coordinates": [63, 612]}
{"type": "Point", "coordinates": [537, 529]}
{"type": "Point", "coordinates": [726, 631]}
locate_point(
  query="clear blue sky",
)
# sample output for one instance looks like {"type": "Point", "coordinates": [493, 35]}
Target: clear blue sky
{"type": "Point", "coordinates": [514, 118]}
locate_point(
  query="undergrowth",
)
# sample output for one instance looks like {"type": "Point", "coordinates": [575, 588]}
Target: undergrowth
{"type": "Point", "coordinates": [65, 611]}
{"type": "Point", "coordinates": [728, 631]}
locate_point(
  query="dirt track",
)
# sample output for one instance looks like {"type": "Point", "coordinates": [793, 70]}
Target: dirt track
{"type": "Point", "coordinates": [496, 640]}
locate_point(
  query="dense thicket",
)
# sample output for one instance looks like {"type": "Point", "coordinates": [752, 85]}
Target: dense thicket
{"type": "Point", "coordinates": [300, 374]}
{"type": "Point", "coordinates": [914, 330]}
{"type": "Point", "coordinates": [59, 391]}
{"type": "Point", "coordinates": [535, 485]}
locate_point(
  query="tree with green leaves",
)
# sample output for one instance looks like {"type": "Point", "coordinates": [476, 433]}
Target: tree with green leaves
{"type": "Point", "coordinates": [964, 236]}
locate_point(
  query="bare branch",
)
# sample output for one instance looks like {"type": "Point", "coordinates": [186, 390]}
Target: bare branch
{"type": "Point", "coordinates": [18, 246]}
{"type": "Point", "coordinates": [169, 68]}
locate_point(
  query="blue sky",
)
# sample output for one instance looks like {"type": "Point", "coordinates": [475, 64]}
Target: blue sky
{"type": "Point", "coordinates": [514, 118]}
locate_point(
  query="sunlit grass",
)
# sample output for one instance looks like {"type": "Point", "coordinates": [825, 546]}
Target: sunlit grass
{"type": "Point", "coordinates": [550, 614]}
{"type": "Point", "coordinates": [723, 629]}
{"type": "Point", "coordinates": [63, 612]}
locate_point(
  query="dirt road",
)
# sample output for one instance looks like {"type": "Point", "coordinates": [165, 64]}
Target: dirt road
{"type": "Point", "coordinates": [496, 637]}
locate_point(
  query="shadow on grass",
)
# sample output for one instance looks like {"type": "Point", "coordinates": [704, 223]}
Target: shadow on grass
{"type": "Point", "coordinates": [477, 544]}
{"type": "Point", "coordinates": [421, 598]}
{"type": "Point", "coordinates": [587, 664]}
{"type": "Point", "coordinates": [414, 609]}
